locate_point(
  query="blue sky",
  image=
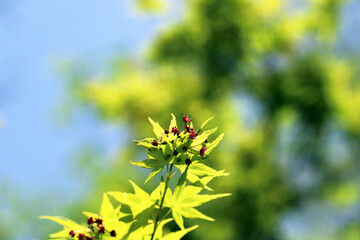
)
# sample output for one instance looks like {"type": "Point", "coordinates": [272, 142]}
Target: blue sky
{"type": "Point", "coordinates": [35, 37]}
{"type": "Point", "coordinates": [36, 152]}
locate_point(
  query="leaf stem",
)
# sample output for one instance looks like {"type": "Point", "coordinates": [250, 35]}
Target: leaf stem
{"type": "Point", "coordinates": [165, 215]}
{"type": "Point", "coordinates": [174, 173]}
{"type": "Point", "coordinates": [168, 174]}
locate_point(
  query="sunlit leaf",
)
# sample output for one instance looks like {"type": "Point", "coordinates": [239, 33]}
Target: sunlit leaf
{"type": "Point", "coordinates": [138, 202]}
{"type": "Point", "coordinates": [158, 130]}
{"type": "Point", "coordinates": [178, 234]}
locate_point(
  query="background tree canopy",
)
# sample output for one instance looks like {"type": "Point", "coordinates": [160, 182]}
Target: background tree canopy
{"type": "Point", "coordinates": [280, 84]}
{"type": "Point", "coordinates": [272, 74]}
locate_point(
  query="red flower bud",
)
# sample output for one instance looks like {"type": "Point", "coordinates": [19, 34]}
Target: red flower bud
{"type": "Point", "coordinates": [186, 118]}
{"type": "Point", "coordinates": [98, 221]}
{"type": "Point", "coordinates": [81, 236]}
{"type": "Point", "coordinates": [166, 131]}
{"type": "Point", "coordinates": [193, 135]}
{"type": "Point", "coordinates": [101, 229]}
{"type": "Point", "coordinates": [72, 233]}
{"type": "Point", "coordinates": [155, 143]}
{"type": "Point", "coordinates": [90, 220]}
{"type": "Point", "coordinates": [202, 151]}
{"type": "Point", "coordinates": [206, 141]}
{"type": "Point", "coordinates": [188, 161]}
{"type": "Point", "coordinates": [175, 130]}
{"type": "Point", "coordinates": [113, 233]}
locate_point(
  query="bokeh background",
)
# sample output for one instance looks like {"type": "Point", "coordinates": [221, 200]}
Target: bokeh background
{"type": "Point", "coordinates": [79, 78]}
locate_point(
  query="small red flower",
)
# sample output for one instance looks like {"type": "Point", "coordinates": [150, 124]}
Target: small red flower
{"type": "Point", "coordinates": [175, 130]}
{"type": "Point", "coordinates": [113, 233]}
{"type": "Point", "coordinates": [166, 131]}
{"type": "Point", "coordinates": [193, 135]}
{"type": "Point", "coordinates": [155, 143]}
{"type": "Point", "coordinates": [81, 236]}
{"type": "Point", "coordinates": [186, 118]}
{"type": "Point", "coordinates": [90, 220]}
{"type": "Point", "coordinates": [72, 233]}
{"type": "Point", "coordinates": [188, 161]}
{"type": "Point", "coordinates": [98, 221]}
{"type": "Point", "coordinates": [202, 151]}
{"type": "Point", "coordinates": [101, 229]}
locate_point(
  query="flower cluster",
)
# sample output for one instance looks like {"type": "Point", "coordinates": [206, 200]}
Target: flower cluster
{"type": "Point", "coordinates": [95, 226]}
{"type": "Point", "coordinates": [186, 146]}
{"type": "Point", "coordinates": [81, 236]}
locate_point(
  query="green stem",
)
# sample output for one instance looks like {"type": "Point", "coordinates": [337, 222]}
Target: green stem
{"type": "Point", "coordinates": [174, 173]}
{"type": "Point", "coordinates": [162, 199]}
{"type": "Point", "coordinates": [165, 215]}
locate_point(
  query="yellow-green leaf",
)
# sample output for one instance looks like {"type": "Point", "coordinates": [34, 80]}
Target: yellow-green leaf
{"type": "Point", "coordinates": [64, 221]}
{"type": "Point", "coordinates": [173, 122]}
{"type": "Point", "coordinates": [179, 234]}
{"type": "Point", "coordinates": [138, 202]}
{"type": "Point", "coordinates": [215, 142]}
{"type": "Point", "coordinates": [202, 137]}
{"type": "Point", "coordinates": [106, 208]}
{"type": "Point", "coordinates": [205, 122]}
{"type": "Point", "coordinates": [158, 130]}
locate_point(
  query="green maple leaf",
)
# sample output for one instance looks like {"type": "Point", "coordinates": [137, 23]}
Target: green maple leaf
{"type": "Point", "coordinates": [202, 137]}
{"type": "Point", "coordinates": [138, 201]}
{"type": "Point", "coordinates": [178, 234]}
{"type": "Point", "coordinates": [184, 200]}
{"type": "Point", "coordinates": [201, 175]}
{"type": "Point", "coordinates": [157, 129]}
{"type": "Point", "coordinates": [214, 143]}
{"type": "Point", "coordinates": [110, 217]}
{"type": "Point", "coordinates": [204, 123]}
{"type": "Point", "coordinates": [158, 158]}
{"type": "Point", "coordinates": [67, 224]}
{"type": "Point", "coordinates": [146, 231]}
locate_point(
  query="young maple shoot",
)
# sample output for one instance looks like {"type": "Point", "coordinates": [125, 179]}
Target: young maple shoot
{"type": "Point", "coordinates": [141, 215]}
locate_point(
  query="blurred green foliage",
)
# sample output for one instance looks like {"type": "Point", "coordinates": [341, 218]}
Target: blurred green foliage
{"type": "Point", "coordinates": [268, 71]}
